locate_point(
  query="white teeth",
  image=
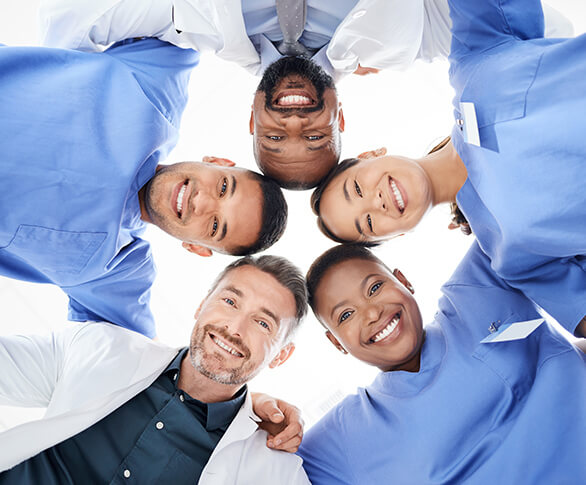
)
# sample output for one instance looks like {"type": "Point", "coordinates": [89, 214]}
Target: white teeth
{"type": "Point", "coordinates": [225, 347]}
{"type": "Point", "coordinates": [180, 199]}
{"type": "Point", "coordinates": [397, 194]}
{"type": "Point", "coordinates": [293, 99]}
{"type": "Point", "coordinates": [388, 329]}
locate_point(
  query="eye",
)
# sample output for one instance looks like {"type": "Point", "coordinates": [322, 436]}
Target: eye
{"type": "Point", "coordinates": [357, 188]}
{"type": "Point", "coordinates": [314, 137]}
{"type": "Point", "coordinates": [344, 316]}
{"type": "Point", "coordinates": [229, 301]}
{"type": "Point", "coordinates": [214, 227]}
{"type": "Point", "coordinates": [369, 222]}
{"type": "Point", "coordinates": [374, 288]}
{"type": "Point", "coordinates": [224, 187]}
{"type": "Point", "coordinates": [263, 324]}
{"type": "Point", "coordinates": [274, 137]}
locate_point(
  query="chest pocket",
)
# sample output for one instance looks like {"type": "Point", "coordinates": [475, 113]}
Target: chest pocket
{"type": "Point", "coordinates": [517, 362]}
{"type": "Point", "coordinates": [57, 254]}
{"type": "Point", "coordinates": [499, 84]}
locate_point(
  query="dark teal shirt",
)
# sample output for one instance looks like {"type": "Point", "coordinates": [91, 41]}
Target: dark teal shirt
{"type": "Point", "coordinates": [162, 435]}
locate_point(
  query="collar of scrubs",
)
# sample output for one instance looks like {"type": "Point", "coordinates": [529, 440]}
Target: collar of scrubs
{"type": "Point", "coordinates": [408, 384]}
{"type": "Point", "coordinates": [269, 54]}
{"type": "Point", "coordinates": [218, 414]}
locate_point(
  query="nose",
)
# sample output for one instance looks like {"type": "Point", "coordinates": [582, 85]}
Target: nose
{"type": "Point", "coordinates": [294, 122]}
{"type": "Point", "coordinates": [379, 201]}
{"type": "Point", "coordinates": [236, 325]}
{"type": "Point", "coordinates": [372, 313]}
{"type": "Point", "coordinates": [203, 203]}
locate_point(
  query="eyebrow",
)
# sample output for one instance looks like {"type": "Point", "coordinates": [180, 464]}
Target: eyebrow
{"type": "Point", "coordinates": [234, 290]}
{"type": "Point", "coordinates": [345, 190]}
{"type": "Point", "coordinates": [358, 228]}
{"type": "Point", "coordinates": [321, 147]}
{"type": "Point", "coordinates": [271, 314]}
{"type": "Point", "coordinates": [268, 149]}
{"type": "Point", "coordinates": [233, 186]}
{"type": "Point", "coordinates": [224, 230]}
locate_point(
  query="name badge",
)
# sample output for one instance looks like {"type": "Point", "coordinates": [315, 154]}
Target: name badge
{"type": "Point", "coordinates": [513, 331]}
{"type": "Point", "coordinates": [470, 124]}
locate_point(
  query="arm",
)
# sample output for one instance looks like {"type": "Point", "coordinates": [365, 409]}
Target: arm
{"type": "Point", "coordinates": [477, 26]}
{"type": "Point", "coordinates": [121, 296]}
{"type": "Point", "coordinates": [281, 420]}
{"type": "Point", "coordinates": [91, 25]}
{"type": "Point", "coordinates": [31, 366]}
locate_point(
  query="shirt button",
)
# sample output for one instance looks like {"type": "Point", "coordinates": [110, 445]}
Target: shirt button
{"type": "Point", "coordinates": [126, 473]}
{"type": "Point", "coordinates": [159, 425]}
{"type": "Point", "coordinates": [175, 376]}
{"type": "Point", "coordinates": [181, 398]}
{"type": "Point", "coordinates": [358, 14]}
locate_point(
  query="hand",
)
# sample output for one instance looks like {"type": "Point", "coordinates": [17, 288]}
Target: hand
{"type": "Point", "coordinates": [363, 71]}
{"type": "Point", "coordinates": [281, 420]}
{"type": "Point", "coordinates": [223, 162]}
{"type": "Point", "coordinates": [379, 152]}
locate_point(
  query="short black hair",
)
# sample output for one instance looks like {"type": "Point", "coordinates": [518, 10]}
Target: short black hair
{"type": "Point", "coordinates": [317, 195]}
{"type": "Point", "coordinates": [274, 216]}
{"type": "Point", "coordinates": [332, 257]}
{"type": "Point", "coordinates": [285, 272]}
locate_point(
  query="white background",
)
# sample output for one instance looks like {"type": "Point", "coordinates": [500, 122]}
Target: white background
{"type": "Point", "coordinates": [404, 111]}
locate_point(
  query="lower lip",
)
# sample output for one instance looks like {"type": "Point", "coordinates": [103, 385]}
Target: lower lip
{"type": "Point", "coordinates": [403, 195]}
{"type": "Point", "coordinates": [394, 334]}
{"type": "Point", "coordinates": [222, 349]}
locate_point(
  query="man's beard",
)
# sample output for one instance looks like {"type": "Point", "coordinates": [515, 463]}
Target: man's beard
{"type": "Point", "coordinates": [203, 361]}
{"type": "Point", "coordinates": [301, 66]}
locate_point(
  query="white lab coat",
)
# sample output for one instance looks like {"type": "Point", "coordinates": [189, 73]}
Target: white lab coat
{"type": "Point", "coordinates": [376, 33]}
{"type": "Point", "coordinates": [87, 371]}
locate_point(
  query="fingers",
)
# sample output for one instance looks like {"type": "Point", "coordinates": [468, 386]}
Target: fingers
{"type": "Point", "coordinates": [290, 446]}
{"type": "Point", "coordinates": [379, 152]}
{"type": "Point", "coordinates": [224, 162]}
{"type": "Point", "coordinates": [363, 71]}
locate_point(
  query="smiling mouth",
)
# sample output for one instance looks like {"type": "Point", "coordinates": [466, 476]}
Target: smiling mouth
{"type": "Point", "coordinates": [179, 201]}
{"type": "Point", "coordinates": [294, 98]}
{"type": "Point", "coordinates": [224, 346]}
{"type": "Point", "coordinates": [388, 330]}
{"type": "Point", "coordinates": [397, 196]}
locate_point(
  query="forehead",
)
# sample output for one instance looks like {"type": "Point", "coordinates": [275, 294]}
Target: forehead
{"type": "Point", "coordinates": [259, 289]}
{"type": "Point", "coordinates": [295, 162]}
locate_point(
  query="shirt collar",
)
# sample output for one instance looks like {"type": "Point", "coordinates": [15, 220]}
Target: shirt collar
{"type": "Point", "coordinates": [269, 54]}
{"type": "Point", "coordinates": [218, 414]}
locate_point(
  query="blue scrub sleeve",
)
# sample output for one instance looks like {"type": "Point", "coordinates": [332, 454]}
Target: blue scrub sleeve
{"type": "Point", "coordinates": [162, 70]}
{"type": "Point", "coordinates": [559, 287]}
{"type": "Point", "coordinates": [122, 295]}
{"type": "Point", "coordinates": [480, 25]}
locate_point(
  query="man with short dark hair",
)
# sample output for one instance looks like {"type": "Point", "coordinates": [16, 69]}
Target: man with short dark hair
{"type": "Point", "coordinates": [83, 135]}
{"type": "Point", "coordinates": [124, 409]}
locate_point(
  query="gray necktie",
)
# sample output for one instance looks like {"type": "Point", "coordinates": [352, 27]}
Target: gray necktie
{"type": "Point", "coordinates": [291, 15]}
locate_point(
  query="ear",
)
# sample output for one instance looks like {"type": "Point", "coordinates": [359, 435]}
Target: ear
{"type": "Point", "coordinates": [222, 162]}
{"type": "Point", "coordinates": [335, 342]}
{"type": "Point", "coordinates": [404, 281]}
{"type": "Point", "coordinates": [199, 250]}
{"type": "Point", "coordinates": [196, 315]}
{"type": "Point", "coordinates": [251, 122]}
{"type": "Point", "coordinates": [283, 355]}
{"type": "Point", "coordinates": [341, 120]}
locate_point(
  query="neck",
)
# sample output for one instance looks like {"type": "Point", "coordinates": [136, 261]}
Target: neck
{"type": "Point", "coordinates": [446, 171]}
{"type": "Point", "coordinates": [201, 387]}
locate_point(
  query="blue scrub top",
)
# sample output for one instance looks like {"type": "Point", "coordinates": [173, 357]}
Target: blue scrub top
{"type": "Point", "coordinates": [81, 134]}
{"type": "Point", "coordinates": [524, 196]}
{"type": "Point", "coordinates": [476, 413]}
